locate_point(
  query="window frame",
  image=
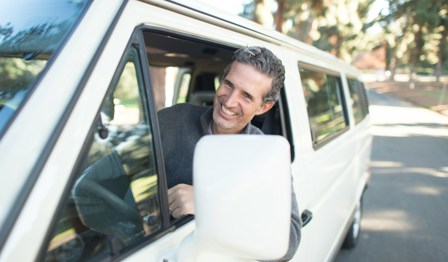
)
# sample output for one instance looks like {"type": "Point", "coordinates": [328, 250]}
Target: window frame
{"type": "Point", "coordinates": [364, 98]}
{"type": "Point", "coordinates": [139, 43]}
{"type": "Point", "coordinates": [317, 144]}
{"type": "Point", "coordinates": [355, 86]}
{"type": "Point", "coordinates": [136, 42]}
{"type": "Point", "coordinates": [285, 122]}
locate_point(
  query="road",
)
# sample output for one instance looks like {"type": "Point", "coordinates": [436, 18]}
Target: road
{"type": "Point", "coordinates": [406, 206]}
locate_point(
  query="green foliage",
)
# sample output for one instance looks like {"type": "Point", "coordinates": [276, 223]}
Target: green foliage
{"type": "Point", "coordinates": [414, 32]}
{"type": "Point", "coordinates": [126, 85]}
{"type": "Point", "coordinates": [17, 74]}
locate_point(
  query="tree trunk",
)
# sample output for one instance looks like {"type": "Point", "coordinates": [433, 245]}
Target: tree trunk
{"type": "Point", "coordinates": [415, 55]}
{"type": "Point", "coordinates": [279, 19]}
{"type": "Point", "coordinates": [442, 54]}
{"type": "Point", "coordinates": [393, 67]}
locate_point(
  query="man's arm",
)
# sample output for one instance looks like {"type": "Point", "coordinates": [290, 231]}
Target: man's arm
{"type": "Point", "coordinates": [296, 227]}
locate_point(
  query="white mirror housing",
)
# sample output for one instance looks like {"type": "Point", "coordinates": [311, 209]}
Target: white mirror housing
{"type": "Point", "coordinates": [242, 186]}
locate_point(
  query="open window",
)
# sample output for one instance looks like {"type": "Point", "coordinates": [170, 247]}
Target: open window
{"type": "Point", "coordinates": [187, 70]}
{"type": "Point", "coordinates": [183, 69]}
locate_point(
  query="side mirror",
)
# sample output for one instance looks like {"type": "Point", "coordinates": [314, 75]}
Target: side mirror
{"type": "Point", "coordinates": [242, 186]}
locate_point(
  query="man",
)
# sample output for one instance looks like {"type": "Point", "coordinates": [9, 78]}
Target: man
{"type": "Point", "coordinates": [250, 86]}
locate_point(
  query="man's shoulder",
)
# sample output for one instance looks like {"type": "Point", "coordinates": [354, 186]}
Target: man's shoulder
{"type": "Point", "coordinates": [183, 108]}
{"type": "Point", "coordinates": [181, 114]}
{"type": "Point", "coordinates": [253, 130]}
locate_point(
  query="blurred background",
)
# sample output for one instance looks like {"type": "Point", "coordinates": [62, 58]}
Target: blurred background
{"type": "Point", "coordinates": [402, 44]}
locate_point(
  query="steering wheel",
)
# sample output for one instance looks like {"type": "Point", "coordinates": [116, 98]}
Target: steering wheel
{"type": "Point", "coordinates": [95, 189]}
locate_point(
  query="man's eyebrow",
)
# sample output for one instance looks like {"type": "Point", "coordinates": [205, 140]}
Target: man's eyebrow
{"type": "Point", "coordinates": [251, 97]}
{"type": "Point", "coordinates": [228, 82]}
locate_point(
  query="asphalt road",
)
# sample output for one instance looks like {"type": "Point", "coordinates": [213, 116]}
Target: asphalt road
{"type": "Point", "coordinates": [406, 206]}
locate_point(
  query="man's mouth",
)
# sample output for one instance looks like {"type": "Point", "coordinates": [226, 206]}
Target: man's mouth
{"type": "Point", "coordinates": [227, 111]}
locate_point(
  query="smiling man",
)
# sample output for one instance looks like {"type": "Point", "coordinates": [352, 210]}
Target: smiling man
{"type": "Point", "coordinates": [250, 86]}
{"type": "Point", "coordinates": [240, 96]}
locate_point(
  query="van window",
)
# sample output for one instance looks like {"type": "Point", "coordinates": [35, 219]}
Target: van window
{"type": "Point", "coordinates": [186, 70]}
{"type": "Point", "coordinates": [358, 96]}
{"type": "Point", "coordinates": [114, 201]}
{"type": "Point", "coordinates": [30, 33]}
{"type": "Point", "coordinates": [326, 111]}
{"type": "Point", "coordinates": [183, 69]}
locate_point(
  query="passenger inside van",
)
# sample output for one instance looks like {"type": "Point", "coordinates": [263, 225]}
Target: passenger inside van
{"type": "Point", "coordinates": [250, 86]}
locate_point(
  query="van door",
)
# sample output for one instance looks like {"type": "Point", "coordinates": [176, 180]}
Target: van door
{"type": "Point", "coordinates": [323, 168]}
{"type": "Point", "coordinates": [115, 204]}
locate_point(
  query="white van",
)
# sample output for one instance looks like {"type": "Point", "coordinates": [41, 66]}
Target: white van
{"type": "Point", "coordinates": [82, 172]}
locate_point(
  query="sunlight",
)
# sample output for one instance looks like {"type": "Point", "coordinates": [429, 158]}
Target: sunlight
{"type": "Point", "coordinates": [404, 114]}
{"type": "Point", "coordinates": [424, 190]}
{"type": "Point", "coordinates": [426, 171]}
{"type": "Point", "coordinates": [412, 170]}
{"type": "Point", "coordinates": [406, 130]}
{"type": "Point", "coordinates": [385, 164]}
{"type": "Point", "coordinates": [402, 119]}
{"type": "Point", "coordinates": [387, 221]}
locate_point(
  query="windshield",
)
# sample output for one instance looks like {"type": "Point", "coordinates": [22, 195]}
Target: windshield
{"type": "Point", "coordinates": [30, 34]}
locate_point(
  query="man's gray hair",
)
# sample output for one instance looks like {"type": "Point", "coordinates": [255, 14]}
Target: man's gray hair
{"type": "Point", "coordinates": [265, 62]}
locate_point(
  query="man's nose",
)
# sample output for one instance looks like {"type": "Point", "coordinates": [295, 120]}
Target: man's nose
{"type": "Point", "coordinates": [232, 99]}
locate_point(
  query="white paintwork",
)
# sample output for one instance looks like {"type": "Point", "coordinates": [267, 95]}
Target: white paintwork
{"type": "Point", "coordinates": [22, 145]}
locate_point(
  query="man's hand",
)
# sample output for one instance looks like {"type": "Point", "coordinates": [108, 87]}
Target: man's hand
{"type": "Point", "coordinates": [181, 200]}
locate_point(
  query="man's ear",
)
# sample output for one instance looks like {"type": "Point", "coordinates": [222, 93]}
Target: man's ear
{"type": "Point", "coordinates": [265, 107]}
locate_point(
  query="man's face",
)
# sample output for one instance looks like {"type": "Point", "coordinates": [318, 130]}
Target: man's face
{"type": "Point", "coordinates": [240, 96]}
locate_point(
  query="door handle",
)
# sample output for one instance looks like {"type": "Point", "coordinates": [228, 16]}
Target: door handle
{"type": "Point", "coordinates": [306, 217]}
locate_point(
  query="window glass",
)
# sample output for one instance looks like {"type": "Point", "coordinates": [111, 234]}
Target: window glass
{"type": "Point", "coordinates": [183, 89]}
{"type": "Point", "coordinates": [364, 98]}
{"type": "Point", "coordinates": [114, 201]}
{"type": "Point", "coordinates": [30, 33]}
{"type": "Point", "coordinates": [357, 96]}
{"type": "Point", "coordinates": [170, 85]}
{"type": "Point", "coordinates": [324, 104]}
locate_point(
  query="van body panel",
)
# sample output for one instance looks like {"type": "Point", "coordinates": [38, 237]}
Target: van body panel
{"type": "Point", "coordinates": [67, 70]}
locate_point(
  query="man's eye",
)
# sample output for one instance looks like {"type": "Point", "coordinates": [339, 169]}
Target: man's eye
{"type": "Point", "coordinates": [248, 97]}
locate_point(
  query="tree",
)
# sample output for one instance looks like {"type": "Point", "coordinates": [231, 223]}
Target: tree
{"type": "Point", "coordinates": [443, 46]}
{"type": "Point", "coordinates": [414, 31]}
{"type": "Point", "coordinates": [262, 13]}
{"type": "Point", "coordinates": [419, 28]}
{"type": "Point", "coordinates": [333, 26]}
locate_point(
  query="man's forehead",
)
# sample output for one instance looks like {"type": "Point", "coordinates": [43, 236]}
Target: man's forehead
{"type": "Point", "coordinates": [258, 88]}
{"type": "Point", "coordinates": [244, 66]}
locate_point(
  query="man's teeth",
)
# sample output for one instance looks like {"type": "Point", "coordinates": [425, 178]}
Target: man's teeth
{"type": "Point", "coordinates": [227, 112]}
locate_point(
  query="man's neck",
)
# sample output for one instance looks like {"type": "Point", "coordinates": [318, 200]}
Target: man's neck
{"type": "Point", "coordinates": [214, 130]}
